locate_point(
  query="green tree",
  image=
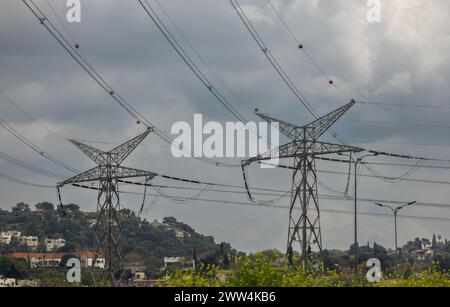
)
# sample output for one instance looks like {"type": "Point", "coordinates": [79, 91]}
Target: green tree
{"type": "Point", "coordinates": [46, 206]}
{"type": "Point", "coordinates": [12, 268]}
{"type": "Point", "coordinates": [434, 242]}
{"type": "Point", "coordinates": [21, 208]}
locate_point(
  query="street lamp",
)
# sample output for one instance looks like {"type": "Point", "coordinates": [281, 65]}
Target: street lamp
{"type": "Point", "coordinates": [355, 198]}
{"type": "Point", "coordinates": [395, 211]}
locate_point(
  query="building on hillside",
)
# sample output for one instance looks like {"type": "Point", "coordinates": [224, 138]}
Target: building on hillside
{"type": "Point", "coordinates": [181, 234]}
{"type": "Point", "coordinates": [419, 255]}
{"type": "Point", "coordinates": [7, 282]}
{"type": "Point", "coordinates": [92, 222]}
{"type": "Point", "coordinates": [134, 266]}
{"type": "Point", "coordinates": [38, 211]}
{"type": "Point", "coordinates": [53, 244]}
{"type": "Point", "coordinates": [88, 258]}
{"type": "Point", "coordinates": [179, 262]}
{"type": "Point", "coordinates": [157, 224]}
{"type": "Point", "coordinates": [51, 260]}
{"type": "Point", "coordinates": [28, 283]}
{"type": "Point", "coordinates": [30, 241]}
{"type": "Point", "coordinates": [139, 276]}
{"type": "Point", "coordinates": [5, 238]}
{"type": "Point", "coordinates": [13, 233]}
{"type": "Point", "coordinates": [440, 243]}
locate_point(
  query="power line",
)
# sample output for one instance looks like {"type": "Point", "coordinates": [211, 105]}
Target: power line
{"type": "Point", "coordinates": [437, 219]}
{"type": "Point", "coordinates": [405, 105]}
{"type": "Point", "coordinates": [199, 56]}
{"type": "Point", "coordinates": [375, 122]}
{"type": "Point", "coordinates": [15, 180]}
{"type": "Point", "coordinates": [34, 147]}
{"type": "Point", "coordinates": [262, 191]}
{"type": "Point", "coordinates": [172, 197]}
{"type": "Point", "coordinates": [21, 110]}
{"type": "Point", "coordinates": [418, 165]}
{"type": "Point", "coordinates": [303, 48]}
{"type": "Point", "coordinates": [86, 66]}
{"type": "Point", "coordinates": [273, 61]}
{"type": "Point", "coordinates": [94, 74]}
{"type": "Point", "coordinates": [187, 59]}
{"type": "Point", "coordinates": [274, 192]}
{"type": "Point", "coordinates": [248, 24]}
{"type": "Point", "coordinates": [29, 167]}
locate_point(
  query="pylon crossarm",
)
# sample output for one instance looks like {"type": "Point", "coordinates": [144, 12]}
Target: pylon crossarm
{"type": "Point", "coordinates": [293, 132]}
{"type": "Point", "coordinates": [98, 156]}
{"type": "Point", "coordinates": [120, 153]}
{"type": "Point", "coordinates": [318, 127]}
{"type": "Point", "coordinates": [100, 173]}
{"type": "Point", "coordinates": [322, 148]}
{"type": "Point", "coordinates": [300, 148]}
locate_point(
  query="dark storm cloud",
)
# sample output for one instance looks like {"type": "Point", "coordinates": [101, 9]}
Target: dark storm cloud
{"type": "Point", "coordinates": [404, 59]}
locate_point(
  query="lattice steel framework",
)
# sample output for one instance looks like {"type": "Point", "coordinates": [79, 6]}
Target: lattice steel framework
{"type": "Point", "coordinates": [304, 223]}
{"type": "Point", "coordinates": [107, 174]}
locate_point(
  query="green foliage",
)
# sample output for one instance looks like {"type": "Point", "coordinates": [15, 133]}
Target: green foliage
{"type": "Point", "coordinates": [137, 235]}
{"type": "Point", "coordinates": [265, 271]}
{"type": "Point", "coordinates": [12, 268]}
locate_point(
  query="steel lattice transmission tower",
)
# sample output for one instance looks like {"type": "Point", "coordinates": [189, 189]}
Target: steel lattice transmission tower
{"type": "Point", "coordinates": [108, 174]}
{"type": "Point", "coordinates": [303, 147]}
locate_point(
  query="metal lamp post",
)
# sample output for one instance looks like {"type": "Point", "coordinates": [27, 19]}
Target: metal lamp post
{"type": "Point", "coordinates": [395, 211]}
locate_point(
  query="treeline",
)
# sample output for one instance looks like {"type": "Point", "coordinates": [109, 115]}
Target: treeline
{"type": "Point", "coordinates": [139, 237]}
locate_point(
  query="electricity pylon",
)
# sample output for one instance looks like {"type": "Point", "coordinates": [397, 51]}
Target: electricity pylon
{"type": "Point", "coordinates": [107, 174]}
{"type": "Point", "coordinates": [304, 213]}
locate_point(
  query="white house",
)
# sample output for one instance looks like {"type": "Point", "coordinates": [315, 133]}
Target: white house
{"type": "Point", "coordinates": [87, 259]}
{"type": "Point", "coordinates": [15, 234]}
{"type": "Point", "coordinates": [5, 238]}
{"type": "Point", "coordinates": [139, 276]}
{"type": "Point", "coordinates": [48, 260]}
{"type": "Point", "coordinates": [54, 244]}
{"type": "Point", "coordinates": [177, 261]}
{"type": "Point", "coordinates": [30, 241]}
{"type": "Point", "coordinates": [7, 282]}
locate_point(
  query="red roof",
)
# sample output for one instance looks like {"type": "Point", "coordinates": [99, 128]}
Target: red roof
{"type": "Point", "coordinates": [53, 255]}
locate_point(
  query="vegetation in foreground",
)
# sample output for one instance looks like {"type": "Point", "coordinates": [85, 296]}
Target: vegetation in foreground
{"type": "Point", "coordinates": [262, 270]}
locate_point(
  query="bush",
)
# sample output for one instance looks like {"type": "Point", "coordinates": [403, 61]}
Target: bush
{"type": "Point", "coordinates": [266, 271]}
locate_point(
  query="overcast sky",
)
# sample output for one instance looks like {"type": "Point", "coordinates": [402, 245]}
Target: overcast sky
{"type": "Point", "coordinates": [402, 60]}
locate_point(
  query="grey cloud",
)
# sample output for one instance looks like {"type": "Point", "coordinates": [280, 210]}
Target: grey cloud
{"type": "Point", "coordinates": [125, 47]}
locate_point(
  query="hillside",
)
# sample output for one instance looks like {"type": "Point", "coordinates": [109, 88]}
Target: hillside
{"type": "Point", "coordinates": [140, 239]}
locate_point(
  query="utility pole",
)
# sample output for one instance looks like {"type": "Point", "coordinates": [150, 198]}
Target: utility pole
{"type": "Point", "coordinates": [395, 211]}
{"type": "Point", "coordinates": [355, 198]}
{"type": "Point", "coordinates": [304, 147]}
{"type": "Point", "coordinates": [107, 175]}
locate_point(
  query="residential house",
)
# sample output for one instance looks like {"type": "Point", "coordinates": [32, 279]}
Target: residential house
{"type": "Point", "coordinates": [419, 254]}
{"type": "Point", "coordinates": [15, 234]}
{"type": "Point", "coordinates": [29, 241]}
{"type": "Point", "coordinates": [53, 244]}
{"type": "Point", "coordinates": [139, 276]}
{"type": "Point", "coordinates": [7, 282]}
{"type": "Point", "coordinates": [178, 262]}
{"type": "Point", "coordinates": [49, 260]}
{"type": "Point", "coordinates": [38, 211]}
{"type": "Point", "coordinates": [28, 283]}
{"type": "Point", "coordinates": [135, 266]}
{"type": "Point", "coordinates": [88, 258]}
{"type": "Point", "coordinates": [180, 234]}
{"type": "Point", "coordinates": [5, 238]}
